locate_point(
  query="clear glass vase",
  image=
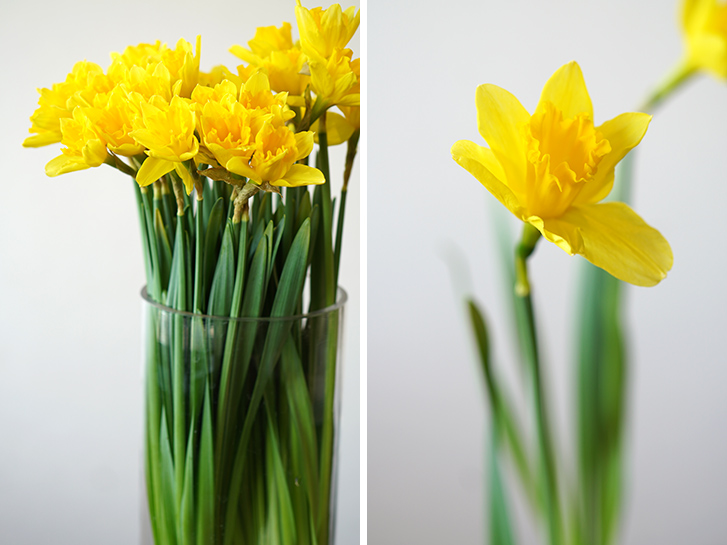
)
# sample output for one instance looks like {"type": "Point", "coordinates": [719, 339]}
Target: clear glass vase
{"type": "Point", "coordinates": [241, 426]}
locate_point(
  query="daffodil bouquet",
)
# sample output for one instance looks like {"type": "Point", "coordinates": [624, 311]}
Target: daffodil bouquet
{"type": "Point", "coordinates": [241, 263]}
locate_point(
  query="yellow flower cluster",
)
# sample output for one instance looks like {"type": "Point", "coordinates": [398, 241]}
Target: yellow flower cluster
{"type": "Point", "coordinates": [153, 106]}
{"type": "Point", "coordinates": [320, 61]}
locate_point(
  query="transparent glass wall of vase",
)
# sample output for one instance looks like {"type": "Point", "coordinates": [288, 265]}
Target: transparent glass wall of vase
{"type": "Point", "coordinates": [241, 427]}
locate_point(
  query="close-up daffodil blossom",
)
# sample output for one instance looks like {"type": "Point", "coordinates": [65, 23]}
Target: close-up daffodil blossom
{"type": "Point", "coordinates": [553, 168]}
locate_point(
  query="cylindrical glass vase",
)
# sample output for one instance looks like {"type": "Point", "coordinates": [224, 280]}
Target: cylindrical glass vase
{"type": "Point", "coordinates": [241, 426]}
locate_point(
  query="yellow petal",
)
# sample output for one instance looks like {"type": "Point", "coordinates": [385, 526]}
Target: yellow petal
{"type": "Point", "coordinates": [301, 175]}
{"type": "Point", "coordinates": [478, 160]}
{"type": "Point", "coordinates": [240, 166]}
{"type": "Point", "coordinates": [62, 164]}
{"type": "Point", "coordinates": [613, 237]}
{"type": "Point", "coordinates": [623, 132]}
{"type": "Point", "coordinates": [42, 139]}
{"type": "Point", "coordinates": [566, 89]}
{"type": "Point", "coordinates": [499, 119]}
{"type": "Point", "coordinates": [186, 177]}
{"type": "Point", "coordinates": [304, 144]}
{"type": "Point", "coordinates": [152, 169]}
{"type": "Point", "coordinates": [258, 83]}
{"type": "Point", "coordinates": [94, 153]}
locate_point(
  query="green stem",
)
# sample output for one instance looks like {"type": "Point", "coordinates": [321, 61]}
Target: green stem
{"type": "Point", "coordinates": [679, 75]}
{"type": "Point", "coordinates": [350, 157]}
{"type": "Point", "coordinates": [323, 286]}
{"type": "Point", "coordinates": [523, 298]}
{"type": "Point", "coordinates": [199, 280]}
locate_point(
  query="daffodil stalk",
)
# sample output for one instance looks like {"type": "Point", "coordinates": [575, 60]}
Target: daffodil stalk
{"type": "Point", "coordinates": [240, 398]}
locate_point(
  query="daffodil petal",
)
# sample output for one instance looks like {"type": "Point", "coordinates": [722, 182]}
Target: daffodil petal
{"type": "Point", "coordinates": [152, 169]}
{"type": "Point", "coordinates": [478, 160]}
{"type": "Point", "coordinates": [301, 175]}
{"type": "Point", "coordinates": [695, 14]}
{"type": "Point", "coordinates": [566, 89]}
{"type": "Point", "coordinates": [499, 119]}
{"type": "Point", "coordinates": [186, 177]}
{"type": "Point", "coordinates": [613, 237]}
{"type": "Point", "coordinates": [623, 132]}
{"type": "Point", "coordinates": [42, 139]}
{"type": "Point", "coordinates": [239, 165]}
{"type": "Point", "coordinates": [62, 164]}
{"type": "Point", "coordinates": [304, 141]}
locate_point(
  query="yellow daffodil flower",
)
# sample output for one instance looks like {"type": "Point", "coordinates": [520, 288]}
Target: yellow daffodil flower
{"type": "Point", "coordinates": [704, 25]}
{"type": "Point", "coordinates": [182, 61]}
{"type": "Point", "coordinates": [113, 117]}
{"type": "Point", "coordinates": [336, 81]}
{"type": "Point", "coordinates": [272, 50]}
{"type": "Point", "coordinates": [324, 30]}
{"type": "Point", "coordinates": [84, 148]}
{"type": "Point", "coordinates": [151, 80]}
{"type": "Point", "coordinates": [248, 136]}
{"type": "Point", "coordinates": [167, 131]}
{"type": "Point", "coordinates": [53, 104]}
{"type": "Point", "coordinates": [256, 94]}
{"type": "Point", "coordinates": [274, 157]}
{"type": "Point", "coordinates": [551, 170]}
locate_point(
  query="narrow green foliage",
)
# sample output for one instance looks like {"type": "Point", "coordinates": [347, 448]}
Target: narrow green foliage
{"type": "Point", "coordinates": [206, 475]}
{"type": "Point", "coordinates": [215, 226]}
{"type": "Point", "coordinates": [502, 415]}
{"type": "Point", "coordinates": [224, 278]}
{"type": "Point", "coordinates": [499, 516]}
{"type": "Point", "coordinates": [165, 250]}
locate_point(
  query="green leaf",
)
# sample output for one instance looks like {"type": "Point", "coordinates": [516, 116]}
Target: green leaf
{"type": "Point", "coordinates": [302, 429]}
{"type": "Point", "coordinates": [304, 211]}
{"type": "Point", "coordinates": [281, 522]}
{"type": "Point", "coordinates": [212, 241]}
{"type": "Point", "coordinates": [224, 278]}
{"type": "Point", "coordinates": [168, 486]}
{"type": "Point", "coordinates": [499, 517]}
{"type": "Point", "coordinates": [164, 249]}
{"type": "Point", "coordinates": [205, 506]}
{"type": "Point", "coordinates": [187, 518]}
{"type": "Point", "coordinates": [502, 414]}
{"type": "Point", "coordinates": [146, 249]}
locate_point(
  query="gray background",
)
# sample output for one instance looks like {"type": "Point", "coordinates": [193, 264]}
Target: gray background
{"type": "Point", "coordinates": [70, 274]}
{"type": "Point", "coordinates": [427, 215]}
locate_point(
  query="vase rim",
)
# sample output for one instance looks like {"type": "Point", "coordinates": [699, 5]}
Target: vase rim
{"type": "Point", "coordinates": [341, 299]}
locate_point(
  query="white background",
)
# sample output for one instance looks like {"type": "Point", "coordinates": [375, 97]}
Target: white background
{"type": "Point", "coordinates": [426, 406]}
{"type": "Point", "coordinates": [70, 274]}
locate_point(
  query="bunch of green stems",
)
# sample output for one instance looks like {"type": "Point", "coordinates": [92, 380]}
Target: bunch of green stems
{"type": "Point", "coordinates": [240, 397]}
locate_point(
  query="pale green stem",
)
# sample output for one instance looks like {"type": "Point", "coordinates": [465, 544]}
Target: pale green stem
{"type": "Point", "coordinates": [523, 298]}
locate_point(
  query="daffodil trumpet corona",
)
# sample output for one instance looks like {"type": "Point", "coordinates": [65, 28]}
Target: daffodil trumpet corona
{"type": "Point", "coordinates": [553, 169]}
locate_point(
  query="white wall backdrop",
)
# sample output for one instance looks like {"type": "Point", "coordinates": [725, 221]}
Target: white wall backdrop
{"type": "Point", "coordinates": [426, 406]}
{"type": "Point", "coordinates": [70, 275]}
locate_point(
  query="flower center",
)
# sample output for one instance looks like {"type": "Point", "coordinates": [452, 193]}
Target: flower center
{"type": "Point", "coordinates": [563, 154]}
